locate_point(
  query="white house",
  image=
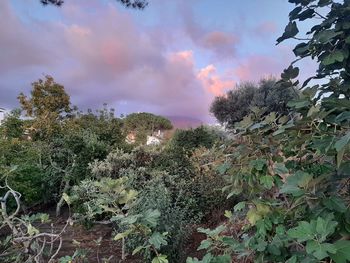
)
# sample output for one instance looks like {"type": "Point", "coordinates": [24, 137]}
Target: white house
{"type": "Point", "coordinates": [156, 138]}
{"type": "Point", "coordinates": [2, 114]}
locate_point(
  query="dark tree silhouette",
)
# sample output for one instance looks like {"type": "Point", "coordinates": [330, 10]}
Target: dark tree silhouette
{"type": "Point", "coordinates": [136, 4]}
{"type": "Point", "coordinates": [52, 2]}
{"type": "Point", "coordinates": [238, 102]}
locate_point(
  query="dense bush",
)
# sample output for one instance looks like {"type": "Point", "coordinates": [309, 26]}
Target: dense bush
{"type": "Point", "coordinates": [28, 177]}
{"type": "Point", "coordinates": [292, 171]}
{"type": "Point", "coordinates": [182, 199]}
{"type": "Point", "coordinates": [143, 124]}
{"type": "Point", "coordinates": [194, 138]}
{"type": "Point", "coordinates": [267, 95]}
{"type": "Point", "coordinates": [283, 179]}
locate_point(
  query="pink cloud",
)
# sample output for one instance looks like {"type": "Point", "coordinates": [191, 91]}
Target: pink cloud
{"type": "Point", "coordinates": [214, 83]}
{"type": "Point", "coordinates": [104, 60]}
{"type": "Point", "coordinates": [101, 55]}
{"type": "Point", "coordinates": [19, 48]}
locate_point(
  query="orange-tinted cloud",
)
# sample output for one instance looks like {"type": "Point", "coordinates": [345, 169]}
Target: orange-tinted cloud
{"type": "Point", "coordinates": [212, 82]}
{"type": "Point", "coordinates": [100, 54]}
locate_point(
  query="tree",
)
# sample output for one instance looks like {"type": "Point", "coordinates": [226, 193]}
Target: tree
{"type": "Point", "coordinates": [194, 138]}
{"type": "Point", "coordinates": [103, 124]}
{"type": "Point", "coordinates": [237, 103]}
{"type": "Point", "coordinates": [48, 104]}
{"type": "Point", "coordinates": [136, 4]}
{"type": "Point", "coordinates": [293, 173]}
{"type": "Point", "coordinates": [144, 124]}
{"type": "Point", "coordinates": [13, 126]}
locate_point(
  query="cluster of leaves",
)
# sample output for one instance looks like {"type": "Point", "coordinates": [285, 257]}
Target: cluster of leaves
{"type": "Point", "coordinates": [239, 102]}
{"type": "Point", "coordinates": [26, 243]}
{"type": "Point", "coordinates": [143, 124]}
{"type": "Point", "coordinates": [292, 171]}
{"type": "Point", "coordinates": [82, 159]}
{"type": "Point", "coordinates": [54, 145]}
{"type": "Point", "coordinates": [181, 199]}
{"type": "Point", "coordinates": [191, 139]}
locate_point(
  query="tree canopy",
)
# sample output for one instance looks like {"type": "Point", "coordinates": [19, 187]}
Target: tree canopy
{"type": "Point", "coordinates": [47, 105]}
{"type": "Point", "coordinates": [12, 126]}
{"type": "Point", "coordinates": [146, 121]}
{"type": "Point", "coordinates": [237, 103]}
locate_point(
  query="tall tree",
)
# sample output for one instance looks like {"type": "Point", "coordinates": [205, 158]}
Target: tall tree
{"type": "Point", "coordinates": [237, 103]}
{"type": "Point", "coordinates": [47, 105]}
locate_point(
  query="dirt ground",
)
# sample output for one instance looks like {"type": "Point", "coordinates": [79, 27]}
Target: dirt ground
{"type": "Point", "coordinates": [78, 237]}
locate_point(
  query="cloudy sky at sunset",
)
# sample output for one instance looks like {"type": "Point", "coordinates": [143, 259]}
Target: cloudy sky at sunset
{"type": "Point", "coordinates": [172, 58]}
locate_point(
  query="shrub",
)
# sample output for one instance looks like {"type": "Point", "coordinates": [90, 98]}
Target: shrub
{"type": "Point", "coordinates": [293, 171]}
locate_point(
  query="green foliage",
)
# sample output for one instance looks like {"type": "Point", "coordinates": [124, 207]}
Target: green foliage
{"type": "Point", "coordinates": [27, 178]}
{"type": "Point", "coordinates": [180, 198]}
{"type": "Point", "coordinates": [165, 195]}
{"type": "Point", "coordinates": [143, 124]}
{"type": "Point", "coordinates": [242, 100]}
{"type": "Point", "coordinates": [283, 179]}
{"type": "Point", "coordinates": [12, 126]}
{"type": "Point", "coordinates": [47, 105]}
{"type": "Point", "coordinates": [103, 124]}
{"type": "Point", "coordinates": [105, 196]}
{"type": "Point", "coordinates": [194, 138]}
{"type": "Point", "coordinates": [292, 171]}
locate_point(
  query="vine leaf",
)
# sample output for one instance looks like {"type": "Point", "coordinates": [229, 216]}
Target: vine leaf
{"type": "Point", "coordinates": [290, 31]}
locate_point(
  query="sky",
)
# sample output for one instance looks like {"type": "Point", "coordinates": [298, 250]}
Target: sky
{"type": "Point", "coordinates": [172, 58]}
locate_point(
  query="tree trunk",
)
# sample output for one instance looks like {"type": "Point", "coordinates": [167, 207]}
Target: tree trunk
{"type": "Point", "coordinates": [60, 202]}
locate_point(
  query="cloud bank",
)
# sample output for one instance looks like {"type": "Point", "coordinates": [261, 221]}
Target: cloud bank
{"type": "Point", "coordinates": [101, 54]}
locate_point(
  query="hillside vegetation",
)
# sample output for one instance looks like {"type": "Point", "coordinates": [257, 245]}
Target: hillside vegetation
{"type": "Point", "coordinates": [273, 187]}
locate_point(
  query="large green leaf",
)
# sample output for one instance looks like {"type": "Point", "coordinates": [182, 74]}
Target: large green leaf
{"type": "Point", "coordinates": [336, 56]}
{"type": "Point", "coordinates": [151, 217]}
{"type": "Point", "coordinates": [308, 13]}
{"type": "Point", "coordinates": [160, 259]}
{"type": "Point", "coordinates": [258, 164]}
{"type": "Point", "coordinates": [239, 206]}
{"type": "Point", "coordinates": [325, 227]}
{"type": "Point", "coordinates": [157, 240]}
{"type": "Point", "coordinates": [294, 13]}
{"type": "Point", "coordinates": [303, 232]}
{"type": "Point", "coordinates": [280, 169]}
{"type": "Point", "coordinates": [266, 181]}
{"type": "Point", "coordinates": [342, 254]}
{"type": "Point", "coordinates": [335, 203]}
{"type": "Point", "coordinates": [205, 244]}
{"type": "Point", "coordinates": [299, 104]}
{"type": "Point", "coordinates": [212, 233]}
{"type": "Point", "coordinates": [326, 35]}
{"type": "Point", "coordinates": [290, 73]}
{"type": "Point", "coordinates": [320, 251]}
{"type": "Point", "coordinates": [296, 183]}
{"type": "Point", "coordinates": [343, 116]}
{"type": "Point", "coordinates": [340, 146]}
{"type": "Point", "coordinates": [290, 31]}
